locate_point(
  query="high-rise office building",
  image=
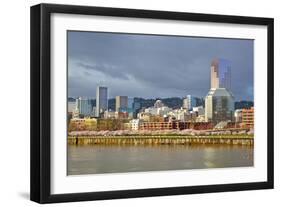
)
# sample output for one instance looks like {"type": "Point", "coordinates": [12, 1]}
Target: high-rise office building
{"type": "Point", "coordinates": [121, 103]}
{"type": "Point", "coordinates": [221, 74]}
{"type": "Point", "coordinates": [219, 105]}
{"type": "Point", "coordinates": [101, 100]}
{"type": "Point", "coordinates": [130, 108]}
{"type": "Point", "coordinates": [189, 102]}
{"type": "Point", "coordinates": [219, 102]}
{"type": "Point", "coordinates": [136, 107]}
{"type": "Point", "coordinates": [84, 106]}
{"type": "Point", "coordinates": [130, 102]}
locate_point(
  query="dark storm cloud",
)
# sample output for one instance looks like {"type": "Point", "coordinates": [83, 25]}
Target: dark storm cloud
{"type": "Point", "coordinates": [154, 66]}
{"type": "Point", "coordinates": [106, 69]}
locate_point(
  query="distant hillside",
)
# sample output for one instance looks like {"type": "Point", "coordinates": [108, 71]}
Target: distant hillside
{"type": "Point", "coordinates": [174, 102]}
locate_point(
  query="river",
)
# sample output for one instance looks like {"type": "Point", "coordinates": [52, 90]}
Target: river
{"type": "Point", "coordinates": [96, 159]}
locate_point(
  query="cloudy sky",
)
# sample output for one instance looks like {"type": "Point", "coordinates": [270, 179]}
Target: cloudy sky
{"type": "Point", "coordinates": [153, 66]}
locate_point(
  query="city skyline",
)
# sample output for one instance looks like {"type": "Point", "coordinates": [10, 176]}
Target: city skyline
{"type": "Point", "coordinates": [154, 66]}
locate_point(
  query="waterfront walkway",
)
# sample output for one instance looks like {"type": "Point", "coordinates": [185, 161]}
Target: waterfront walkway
{"type": "Point", "coordinates": [241, 139]}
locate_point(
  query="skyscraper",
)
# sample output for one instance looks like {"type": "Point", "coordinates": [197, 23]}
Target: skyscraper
{"type": "Point", "coordinates": [219, 105]}
{"type": "Point", "coordinates": [189, 102]}
{"type": "Point", "coordinates": [221, 74]}
{"type": "Point", "coordinates": [136, 107]}
{"type": "Point", "coordinates": [219, 102]}
{"type": "Point", "coordinates": [101, 100]}
{"type": "Point", "coordinates": [121, 103]}
{"type": "Point", "coordinates": [84, 106]}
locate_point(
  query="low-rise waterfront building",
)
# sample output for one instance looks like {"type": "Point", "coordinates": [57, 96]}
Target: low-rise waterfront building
{"type": "Point", "coordinates": [149, 117]}
{"type": "Point", "coordinates": [151, 110]}
{"type": "Point", "coordinates": [163, 111]}
{"type": "Point", "coordinates": [248, 118]}
{"type": "Point", "coordinates": [109, 114]}
{"type": "Point", "coordinates": [201, 125]}
{"type": "Point", "coordinates": [200, 118]}
{"type": "Point", "coordinates": [179, 125]}
{"type": "Point", "coordinates": [163, 125]}
{"type": "Point", "coordinates": [135, 123]}
{"type": "Point", "coordinates": [78, 124]}
{"type": "Point", "coordinates": [121, 115]}
{"type": "Point", "coordinates": [156, 126]}
{"type": "Point", "coordinates": [180, 114]}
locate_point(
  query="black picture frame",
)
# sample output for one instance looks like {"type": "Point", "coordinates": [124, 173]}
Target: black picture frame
{"type": "Point", "coordinates": [40, 184]}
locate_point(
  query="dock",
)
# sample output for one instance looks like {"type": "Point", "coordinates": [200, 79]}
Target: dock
{"type": "Point", "coordinates": [162, 139]}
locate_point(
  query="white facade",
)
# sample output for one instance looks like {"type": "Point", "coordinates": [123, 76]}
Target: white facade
{"type": "Point", "coordinates": [238, 115]}
{"type": "Point", "coordinates": [135, 123]}
{"type": "Point", "coordinates": [151, 110]}
{"type": "Point", "coordinates": [163, 111]}
{"type": "Point", "coordinates": [158, 104]}
{"type": "Point", "coordinates": [109, 115]}
{"type": "Point", "coordinates": [185, 104]}
{"type": "Point", "coordinates": [71, 105]}
{"type": "Point", "coordinates": [200, 118]}
{"type": "Point", "coordinates": [179, 114]}
{"type": "Point", "coordinates": [199, 109]}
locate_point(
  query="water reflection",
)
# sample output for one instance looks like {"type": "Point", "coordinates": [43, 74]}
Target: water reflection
{"type": "Point", "coordinates": [91, 159]}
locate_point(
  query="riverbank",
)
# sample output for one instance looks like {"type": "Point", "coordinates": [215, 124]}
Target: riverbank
{"type": "Point", "coordinates": [241, 139]}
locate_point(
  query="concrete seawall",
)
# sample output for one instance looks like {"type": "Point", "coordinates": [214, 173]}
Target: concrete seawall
{"type": "Point", "coordinates": [142, 140]}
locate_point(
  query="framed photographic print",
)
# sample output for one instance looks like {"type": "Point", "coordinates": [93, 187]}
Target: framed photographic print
{"type": "Point", "coordinates": [133, 103]}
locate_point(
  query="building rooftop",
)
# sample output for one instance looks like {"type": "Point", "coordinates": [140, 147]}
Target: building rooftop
{"type": "Point", "coordinates": [219, 92]}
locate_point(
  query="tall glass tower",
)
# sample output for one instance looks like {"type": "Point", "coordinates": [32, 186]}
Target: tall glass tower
{"type": "Point", "coordinates": [101, 100]}
{"type": "Point", "coordinates": [84, 106]}
{"type": "Point", "coordinates": [219, 102]}
{"type": "Point", "coordinates": [219, 105]}
{"type": "Point", "coordinates": [221, 74]}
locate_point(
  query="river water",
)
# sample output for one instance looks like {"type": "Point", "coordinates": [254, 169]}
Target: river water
{"type": "Point", "coordinates": [93, 159]}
